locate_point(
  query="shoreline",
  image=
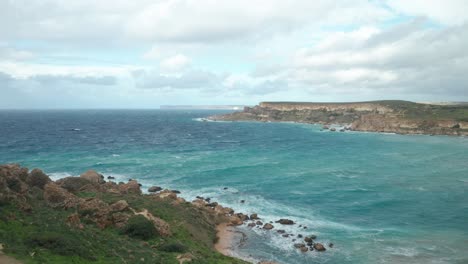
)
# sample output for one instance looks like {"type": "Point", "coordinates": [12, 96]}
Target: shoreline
{"type": "Point", "coordinates": [337, 125]}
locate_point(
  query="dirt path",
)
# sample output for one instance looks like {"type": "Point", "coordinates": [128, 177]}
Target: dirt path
{"type": "Point", "coordinates": [4, 259]}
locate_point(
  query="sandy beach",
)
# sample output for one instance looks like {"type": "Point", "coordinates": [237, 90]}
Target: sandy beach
{"type": "Point", "coordinates": [226, 241]}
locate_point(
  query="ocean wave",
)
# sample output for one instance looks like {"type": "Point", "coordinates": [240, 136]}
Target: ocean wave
{"type": "Point", "coordinates": [58, 175]}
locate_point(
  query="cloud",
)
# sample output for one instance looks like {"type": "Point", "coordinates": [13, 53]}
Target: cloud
{"type": "Point", "coordinates": [451, 12]}
{"type": "Point", "coordinates": [175, 63]}
{"type": "Point", "coordinates": [213, 21]}
{"type": "Point", "coordinates": [187, 80]}
{"type": "Point", "coordinates": [406, 60]}
{"type": "Point", "coordinates": [57, 79]}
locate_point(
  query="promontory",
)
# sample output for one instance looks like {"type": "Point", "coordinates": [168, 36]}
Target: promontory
{"type": "Point", "coordinates": [390, 116]}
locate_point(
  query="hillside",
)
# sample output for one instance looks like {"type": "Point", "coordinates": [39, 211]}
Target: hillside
{"type": "Point", "coordinates": [88, 220]}
{"type": "Point", "coordinates": [393, 116]}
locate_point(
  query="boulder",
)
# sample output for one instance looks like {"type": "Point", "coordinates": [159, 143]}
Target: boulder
{"type": "Point", "coordinates": [281, 231]}
{"type": "Point", "coordinates": [285, 222]}
{"type": "Point", "coordinates": [319, 247]}
{"type": "Point", "coordinates": [308, 239]}
{"type": "Point", "coordinates": [304, 249]}
{"type": "Point", "coordinates": [268, 226]}
{"type": "Point", "coordinates": [93, 177]}
{"type": "Point", "coordinates": [251, 225]}
{"type": "Point", "coordinates": [223, 210]}
{"type": "Point", "coordinates": [119, 206]}
{"type": "Point", "coordinates": [242, 216]}
{"type": "Point", "coordinates": [235, 221]}
{"type": "Point", "coordinates": [56, 196]}
{"type": "Point", "coordinates": [131, 187]}
{"type": "Point", "coordinates": [153, 189]}
{"type": "Point", "coordinates": [330, 245]}
{"type": "Point", "coordinates": [259, 223]}
{"type": "Point", "coordinates": [175, 191]}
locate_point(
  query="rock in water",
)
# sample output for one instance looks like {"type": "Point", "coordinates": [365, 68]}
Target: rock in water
{"type": "Point", "coordinates": [285, 222]}
{"type": "Point", "coordinates": [319, 247]}
{"type": "Point", "coordinates": [268, 226]}
{"type": "Point", "coordinates": [254, 217]}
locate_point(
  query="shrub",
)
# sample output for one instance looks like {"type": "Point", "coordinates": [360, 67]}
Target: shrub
{"type": "Point", "coordinates": [14, 184]}
{"type": "Point", "coordinates": [38, 178]}
{"type": "Point", "coordinates": [73, 184]}
{"type": "Point", "coordinates": [59, 243]}
{"type": "Point", "coordinates": [174, 247]}
{"type": "Point", "coordinates": [140, 227]}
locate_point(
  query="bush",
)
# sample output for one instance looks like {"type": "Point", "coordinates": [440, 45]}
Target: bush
{"type": "Point", "coordinates": [58, 243]}
{"type": "Point", "coordinates": [140, 227]}
{"type": "Point", "coordinates": [73, 184]}
{"type": "Point", "coordinates": [14, 184]}
{"type": "Point", "coordinates": [38, 178]}
{"type": "Point", "coordinates": [174, 247]}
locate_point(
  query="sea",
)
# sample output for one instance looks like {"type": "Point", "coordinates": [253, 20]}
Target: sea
{"type": "Point", "coordinates": [379, 198]}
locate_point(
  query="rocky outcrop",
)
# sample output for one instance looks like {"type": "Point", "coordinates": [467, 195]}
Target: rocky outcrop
{"type": "Point", "coordinates": [56, 196]}
{"type": "Point", "coordinates": [93, 176]}
{"type": "Point", "coordinates": [131, 187]}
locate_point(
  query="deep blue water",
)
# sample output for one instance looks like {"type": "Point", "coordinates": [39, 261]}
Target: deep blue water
{"type": "Point", "coordinates": [380, 198]}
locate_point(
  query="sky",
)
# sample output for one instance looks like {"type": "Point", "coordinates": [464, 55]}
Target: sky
{"type": "Point", "coordinates": [147, 53]}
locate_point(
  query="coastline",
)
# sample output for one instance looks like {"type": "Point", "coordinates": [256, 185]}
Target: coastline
{"type": "Point", "coordinates": [399, 117]}
{"type": "Point", "coordinates": [335, 125]}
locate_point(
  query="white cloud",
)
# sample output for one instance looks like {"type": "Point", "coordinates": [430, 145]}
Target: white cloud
{"type": "Point", "coordinates": [153, 54]}
{"type": "Point", "coordinates": [175, 63]}
{"type": "Point", "coordinates": [443, 11]}
{"type": "Point", "coordinates": [208, 20]}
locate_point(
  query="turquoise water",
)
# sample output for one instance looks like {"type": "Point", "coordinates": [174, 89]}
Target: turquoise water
{"type": "Point", "coordinates": [380, 198]}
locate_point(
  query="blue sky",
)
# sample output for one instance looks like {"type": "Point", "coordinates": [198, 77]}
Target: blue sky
{"type": "Point", "coordinates": [146, 53]}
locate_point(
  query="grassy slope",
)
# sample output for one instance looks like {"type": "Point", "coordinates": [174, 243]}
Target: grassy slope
{"type": "Point", "coordinates": [190, 227]}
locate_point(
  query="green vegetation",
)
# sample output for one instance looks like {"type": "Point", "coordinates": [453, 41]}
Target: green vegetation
{"type": "Point", "coordinates": [411, 110]}
{"type": "Point", "coordinates": [140, 227]}
{"type": "Point", "coordinates": [43, 236]}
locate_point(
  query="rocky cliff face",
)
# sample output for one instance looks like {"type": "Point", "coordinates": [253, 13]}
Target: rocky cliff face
{"type": "Point", "coordinates": [380, 116]}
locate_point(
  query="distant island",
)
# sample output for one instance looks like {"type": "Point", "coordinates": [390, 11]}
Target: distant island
{"type": "Point", "coordinates": [390, 116]}
{"type": "Point", "coordinates": [202, 107]}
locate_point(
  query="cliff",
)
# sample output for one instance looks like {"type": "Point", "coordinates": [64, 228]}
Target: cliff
{"type": "Point", "coordinates": [378, 116]}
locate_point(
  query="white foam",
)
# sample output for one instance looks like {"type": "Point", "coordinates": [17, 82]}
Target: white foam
{"type": "Point", "coordinates": [58, 175]}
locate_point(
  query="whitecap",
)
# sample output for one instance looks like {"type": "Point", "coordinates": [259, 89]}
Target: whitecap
{"type": "Point", "coordinates": [58, 175]}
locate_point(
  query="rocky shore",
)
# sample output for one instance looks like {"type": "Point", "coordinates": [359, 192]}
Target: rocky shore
{"type": "Point", "coordinates": [88, 205]}
{"type": "Point", "coordinates": [400, 117]}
